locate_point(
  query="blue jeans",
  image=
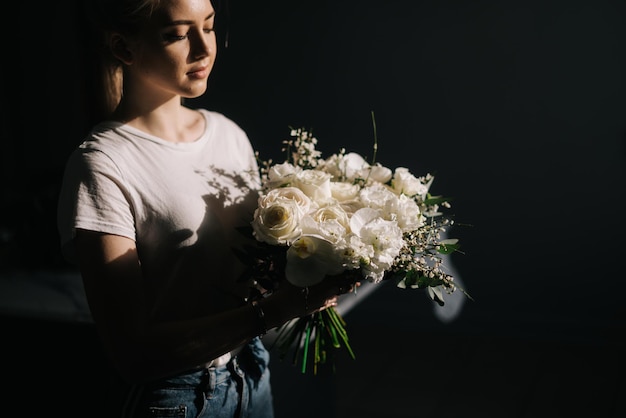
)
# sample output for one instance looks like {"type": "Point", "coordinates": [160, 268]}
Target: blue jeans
{"type": "Point", "coordinates": [239, 389]}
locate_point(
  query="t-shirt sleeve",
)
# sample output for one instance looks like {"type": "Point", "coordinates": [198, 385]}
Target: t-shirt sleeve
{"type": "Point", "coordinates": [94, 197]}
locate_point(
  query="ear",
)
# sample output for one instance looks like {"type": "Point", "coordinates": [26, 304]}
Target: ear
{"type": "Point", "coordinates": [120, 48]}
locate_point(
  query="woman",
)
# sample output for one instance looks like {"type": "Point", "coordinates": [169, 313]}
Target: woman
{"type": "Point", "coordinates": [149, 210]}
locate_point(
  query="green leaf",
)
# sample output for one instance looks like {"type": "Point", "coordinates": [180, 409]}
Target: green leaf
{"type": "Point", "coordinates": [448, 246]}
{"type": "Point", "coordinates": [414, 279]}
{"type": "Point", "coordinates": [436, 200]}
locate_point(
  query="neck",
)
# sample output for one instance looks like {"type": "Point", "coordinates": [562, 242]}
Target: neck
{"type": "Point", "coordinates": [170, 120]}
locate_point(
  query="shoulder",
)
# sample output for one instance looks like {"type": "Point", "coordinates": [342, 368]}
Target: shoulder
{"type": "Point", "coordinates": [101, 147]}
{"type": "Point", "coordinates": [104, 137]}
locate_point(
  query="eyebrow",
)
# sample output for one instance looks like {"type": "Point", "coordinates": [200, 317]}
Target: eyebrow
{"type": "Point", "coordinates": [188, 22]}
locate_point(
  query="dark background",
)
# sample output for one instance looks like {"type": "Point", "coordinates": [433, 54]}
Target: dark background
{"type": "Point", "coordinates": [517, 107]}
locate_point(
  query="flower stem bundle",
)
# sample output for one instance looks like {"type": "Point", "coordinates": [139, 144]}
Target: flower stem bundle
{"type": "Point", "coordinates": [323, 332]}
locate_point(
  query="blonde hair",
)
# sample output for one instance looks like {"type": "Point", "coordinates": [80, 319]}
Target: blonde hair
{"type": "Point", "coordinates": [105, 70]}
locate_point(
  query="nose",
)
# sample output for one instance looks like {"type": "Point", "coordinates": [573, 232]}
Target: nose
{"type": "Point", "coordinates": [202, 44]}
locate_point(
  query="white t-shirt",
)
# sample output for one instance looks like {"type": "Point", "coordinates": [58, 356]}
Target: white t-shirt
{"type": "Point", "coordinates": [180, 202]}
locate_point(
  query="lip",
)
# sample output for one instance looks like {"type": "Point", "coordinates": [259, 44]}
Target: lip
{"type": "Point", "coordinates": [199, 72]}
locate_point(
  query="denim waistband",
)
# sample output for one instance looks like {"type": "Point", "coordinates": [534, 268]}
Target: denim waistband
{"type": "Point", "coordinates": [224, 359]}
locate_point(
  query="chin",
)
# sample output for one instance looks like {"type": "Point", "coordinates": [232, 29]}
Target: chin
{"type": "Point", "coordinates": [195, 92]}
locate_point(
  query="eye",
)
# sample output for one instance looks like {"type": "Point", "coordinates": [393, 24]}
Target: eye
{"type": "Point", "coordinates": [208, 30]}
{"type": "Point", "coordinates": [173, 37]}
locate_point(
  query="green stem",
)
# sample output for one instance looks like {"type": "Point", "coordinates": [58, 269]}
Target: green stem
{"type": "Point", "coordinates": [306, 347]}
{"type": "Point", "coordinates": [339, 325]}
{"type": "Point", "coordinates": [375, 138]}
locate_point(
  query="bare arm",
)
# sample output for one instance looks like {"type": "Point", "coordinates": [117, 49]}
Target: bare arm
{"type": "Point", "coordinates": [143, 349]}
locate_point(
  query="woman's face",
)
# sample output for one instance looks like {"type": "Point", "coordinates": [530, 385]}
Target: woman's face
{"type": "Point", "coordinates": [176, 50]}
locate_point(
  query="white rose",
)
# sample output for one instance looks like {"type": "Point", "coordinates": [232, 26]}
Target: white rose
{"type": "Point", "coordinates": [332, 165]}
{"type": "Point", "coordinates": [314, 183]}
{"type": "Point", "coordinates": [281, 174]}
{"type": "Point", "coordinates": [348, 167]}
{"type": "Point", "coordinates": [303, 202]}
{"type": "Point", "coordinates": [355, 167]}
{"type": "Point", "coordinates": [351, 206]}
{"type": "Point", "coordinates": [330, 222]}
{"type": "Point", "coordinates": [278, 214]}
{"type": "Point", "coordinates": [380, 173]}
{"type": "Point", "coordinates": [403, 182]}
{"type": "Point", "coordinates": [343, 192]}
{"type": "Point", "coordinates": [332, 213]}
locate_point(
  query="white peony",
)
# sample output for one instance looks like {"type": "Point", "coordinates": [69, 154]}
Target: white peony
{"type": "Point", "coordinates": [377, 196]}
{"type": "Point", "coordinates": [407, 213]}
{"type": "Point", "coordinates": [356, 253]}
{"type": "Point", "coordinates": [385, 238]}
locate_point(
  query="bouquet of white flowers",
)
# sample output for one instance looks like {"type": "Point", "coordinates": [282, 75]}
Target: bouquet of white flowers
{"type": "Point", "coordinates": [322, 217]}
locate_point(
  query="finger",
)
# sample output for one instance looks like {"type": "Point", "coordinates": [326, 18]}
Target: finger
{"type": "Point", "coordinates": [354, 286]}
{"type": "Point", "coordinates": [347, 288]}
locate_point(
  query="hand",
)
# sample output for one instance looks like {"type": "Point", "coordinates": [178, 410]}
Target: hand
{"type": "Point", "coordinates": [298, 301]}
{"type": "Point", "coordinates": [342, 288]}
{"type": "Point", "coordinates": [347, 287]}
{"type": "Point", "coordinates": [330, 303]}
